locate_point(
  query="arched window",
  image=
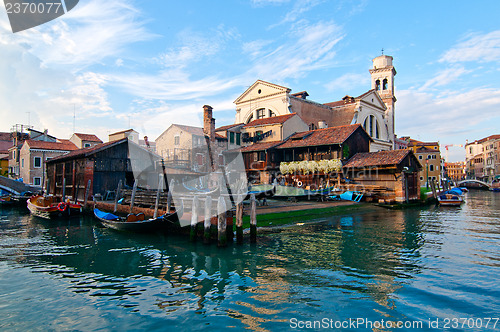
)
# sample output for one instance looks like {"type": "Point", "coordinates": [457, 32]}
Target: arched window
{"type": "Point", "coordinates": [384, 85]}
{"type": "Point", "coordinates": [377, 85]}
{"type": "Point", "coordinates": [371, 126]}
{"type": "Point", "coordinates": [312, 126]}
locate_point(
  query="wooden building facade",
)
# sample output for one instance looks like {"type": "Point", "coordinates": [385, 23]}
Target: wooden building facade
{"type": "Point", "coordinates": [395, 170]}
{"type": "Point", "coordinates": [104, 165]}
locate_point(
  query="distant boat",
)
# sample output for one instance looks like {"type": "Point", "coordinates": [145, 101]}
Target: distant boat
{"type": "Point", "coordinates": [46, 207]}
{"type": "Point", "coordinates": [261, 190]}
{"type": "Point", "coordinates": [450, 198]}
{"type": "Point", "coordinates": [136, 222]}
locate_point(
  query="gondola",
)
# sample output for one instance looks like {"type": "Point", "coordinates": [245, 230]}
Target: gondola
{"type": "Point", "coordinates": [47, 207]}
{"type": "Point", "coordinates": [137, 222]}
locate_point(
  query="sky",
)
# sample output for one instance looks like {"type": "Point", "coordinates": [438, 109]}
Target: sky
{"type": "Point", "coordinates": [107, 66]}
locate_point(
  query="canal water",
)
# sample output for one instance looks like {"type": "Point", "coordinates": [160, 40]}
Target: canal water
{"type": "Point", "coordinates": [437, 267]}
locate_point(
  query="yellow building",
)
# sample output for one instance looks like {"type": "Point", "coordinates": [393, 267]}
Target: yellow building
{"type": "Point", "coordinates": [429, 156]}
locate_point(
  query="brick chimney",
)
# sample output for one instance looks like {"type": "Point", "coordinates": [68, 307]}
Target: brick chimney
{"type": "Point", "coordinates": [208, 123]}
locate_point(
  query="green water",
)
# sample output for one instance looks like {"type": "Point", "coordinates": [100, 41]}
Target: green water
{"type": "Point", "coordinates": [427, 266]}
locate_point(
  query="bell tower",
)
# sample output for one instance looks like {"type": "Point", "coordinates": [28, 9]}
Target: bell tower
{"type": "Point", "coordinates": [383, 73]}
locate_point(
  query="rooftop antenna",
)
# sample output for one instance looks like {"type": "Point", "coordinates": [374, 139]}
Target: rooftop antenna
{"type": "Point", "coordinates": [382, 51]}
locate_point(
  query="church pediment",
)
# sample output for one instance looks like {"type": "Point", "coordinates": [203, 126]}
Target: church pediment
{"type": "Point", "coordinates": [261, 89]}
{"type": "Point", "coordinates": [373, 98]}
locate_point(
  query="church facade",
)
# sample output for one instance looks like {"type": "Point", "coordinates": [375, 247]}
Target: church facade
{"type": "Point", "coordinates": [374, 110]}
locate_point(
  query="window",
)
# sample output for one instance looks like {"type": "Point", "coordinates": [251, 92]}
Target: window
{"type": "Point", "coordinates": [421, 178]}
{"type": "Point", "coordinates": [177, 140]}
{"type": "Point", "coordinates": [86, 145]}
{"type": "Point", "coordinates": [271, 113]}
{"type": "Point", "coordinates": [377, 85]}
{"type": "Point", "coordinates": [231, 137]}
{"type": "Point", "coordinates": [262, 156]}
{"type": "Point", "coordinates": [238, 139]}
{"type": "Point", "coordinates": [420, 157]}
{"type": "Point", "coordinates": [371, 126]}
{"type": "Point", "coordinates": [37, 162]}
{"type": "Point", "coordinates": [312, 126]}
{"type": "Point", "coordinates": [431, 168]}
{"type": "Point", "coordinates": [384, 84]}
{"type": "Point", "coordinates": [22, 162]}
{"type": "Point", "coordinates": [37, 181]}
{"type": "Point", "coordinates": [260, 113]}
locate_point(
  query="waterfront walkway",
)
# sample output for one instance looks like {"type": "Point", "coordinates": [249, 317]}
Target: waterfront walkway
{"type": "Point", "coordinates": [279, 206]}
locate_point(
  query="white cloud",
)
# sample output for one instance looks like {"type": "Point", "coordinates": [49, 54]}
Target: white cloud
{"type": "Point", "coordinates": [311, 48]}
{"type": "Point", "coordinates": [348, 82]}
{"type": "Point", "coordinates": [297, 12]}
{"type": "Point", "coordinates": [91, 32]}
{"type": "Point", "coordinates": [475, 47]}
{"type": "Point", "coordinates": [196, 46]}
{"type": "Point", "coordinates": [268, 2]}
{"type": "Point", "coordinates": [445, 77]}
{"type": "Point", "coordinates": [450, 114]}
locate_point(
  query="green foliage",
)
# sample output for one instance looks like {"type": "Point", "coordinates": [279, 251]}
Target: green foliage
{"type": "Point", "coordinates": [345, 151]}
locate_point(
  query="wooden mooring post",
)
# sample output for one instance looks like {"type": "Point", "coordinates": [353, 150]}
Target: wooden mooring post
{"type": "Point", "coordinates": [253, 219]}
{"type": "Point", "coordinates": [239, 223]}
{"type": "Point", "coordinates": [194, 219]}
{"type": "Point", "coordinates": [132, 199]}
{"type": "Point", "coordinates": [87, 191]}
{"type": "Point", "coordinates": [207, 224]}
{"type": "Point", "coordinates": [63, 197]}
{"type": "Point", "coordinates": [221, 223]}
{"type": "Point", "coordinates": [158, 192]}
{"type": "Point", "coordinates": [117, 195]}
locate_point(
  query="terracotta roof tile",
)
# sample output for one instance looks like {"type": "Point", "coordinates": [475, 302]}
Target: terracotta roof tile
{"type": "Point", "coordinates": [5, 146]}
{"type": "Point", "coordinates": [88, 137]}
{"type": "Point", "coordinates": [229, 126]}
{"type": "Point", "coordinates": [256, 147]}
{"type": "Point", "coordinates": [327, 136]}
{"type": "Point", "coordinates": [381, 158]}
{"type": "Point", "coordinates": [489, 138]}
{"type": "Point", "coordinates": [62, 146]}
{"type": "Point", "coordinates": [280, 119]}
{"type": "Point", "coordinates": [5, 137]}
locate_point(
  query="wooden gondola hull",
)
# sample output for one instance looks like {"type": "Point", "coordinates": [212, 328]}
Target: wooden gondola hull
{"type": "Point", "coordinates": [52, 210]}
{"type": "Point", "coordinates": [141, 226]}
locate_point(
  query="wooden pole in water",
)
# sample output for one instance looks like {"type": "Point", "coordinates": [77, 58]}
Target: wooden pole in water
{"type": "Point", "coordinates": [87, 191]}
{"type": "Point", "coordinates": [253, 219]}
{"type": "Point", "coordinates": [132, 200]}
{"type": "Point", "coordinates": [157, 202]}
{"type": "Point", "coordinates": [117, 195]}
{"type": "Point", "coordinates": [239, 223]}
{"type": "Point", "coordinates": [169, 196]}
{"type": "Point", "coordinates": [221, 223]}
{"type": "Point", "coordinates": [207, 224]}
{"type": "Point", "coordinates": [63, 198]}
{"type": "Point", "coordinates": [194, 219]}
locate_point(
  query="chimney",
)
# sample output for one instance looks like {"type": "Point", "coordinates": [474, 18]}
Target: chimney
{"type": "Point", "coordinates": [208, 123]}
{"type": "Point", "coordinates": [322, 124]}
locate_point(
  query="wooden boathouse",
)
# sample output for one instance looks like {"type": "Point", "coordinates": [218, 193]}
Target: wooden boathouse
{"type": "Point", "coordinates": [395, 170]}
{"type": "Point", "coordinates": [105, 165]}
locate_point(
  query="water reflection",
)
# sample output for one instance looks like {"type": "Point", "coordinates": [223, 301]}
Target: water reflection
{"type": "Point", "coordinates": [376, 260]}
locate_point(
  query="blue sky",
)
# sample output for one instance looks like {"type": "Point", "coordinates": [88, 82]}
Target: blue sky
{"type": "Point", "coordinates": [153, 63]}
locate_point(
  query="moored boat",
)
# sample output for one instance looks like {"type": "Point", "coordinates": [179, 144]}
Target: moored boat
{"type": "Point", "coordinates": [448, 198]}
{"type": "Point", "coordinates": [136, 222]}
{"type": "Point", "coordinates": [47, 207]}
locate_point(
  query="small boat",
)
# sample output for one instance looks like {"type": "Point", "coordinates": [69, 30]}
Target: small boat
{"type": "Point", "coordinates": [448, 198]}
{"type": "Point", "coordinates": [354, 196]}
{"type": "Point", "coordinates": [294, 192]}
{"type": "Point", "coordinates": [136, 222]}
{"type": "Point", "coordinates": [46, 207]}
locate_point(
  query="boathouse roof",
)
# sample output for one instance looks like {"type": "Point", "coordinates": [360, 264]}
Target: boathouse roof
{"type": "Point", "coordinates": [380, 158]}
